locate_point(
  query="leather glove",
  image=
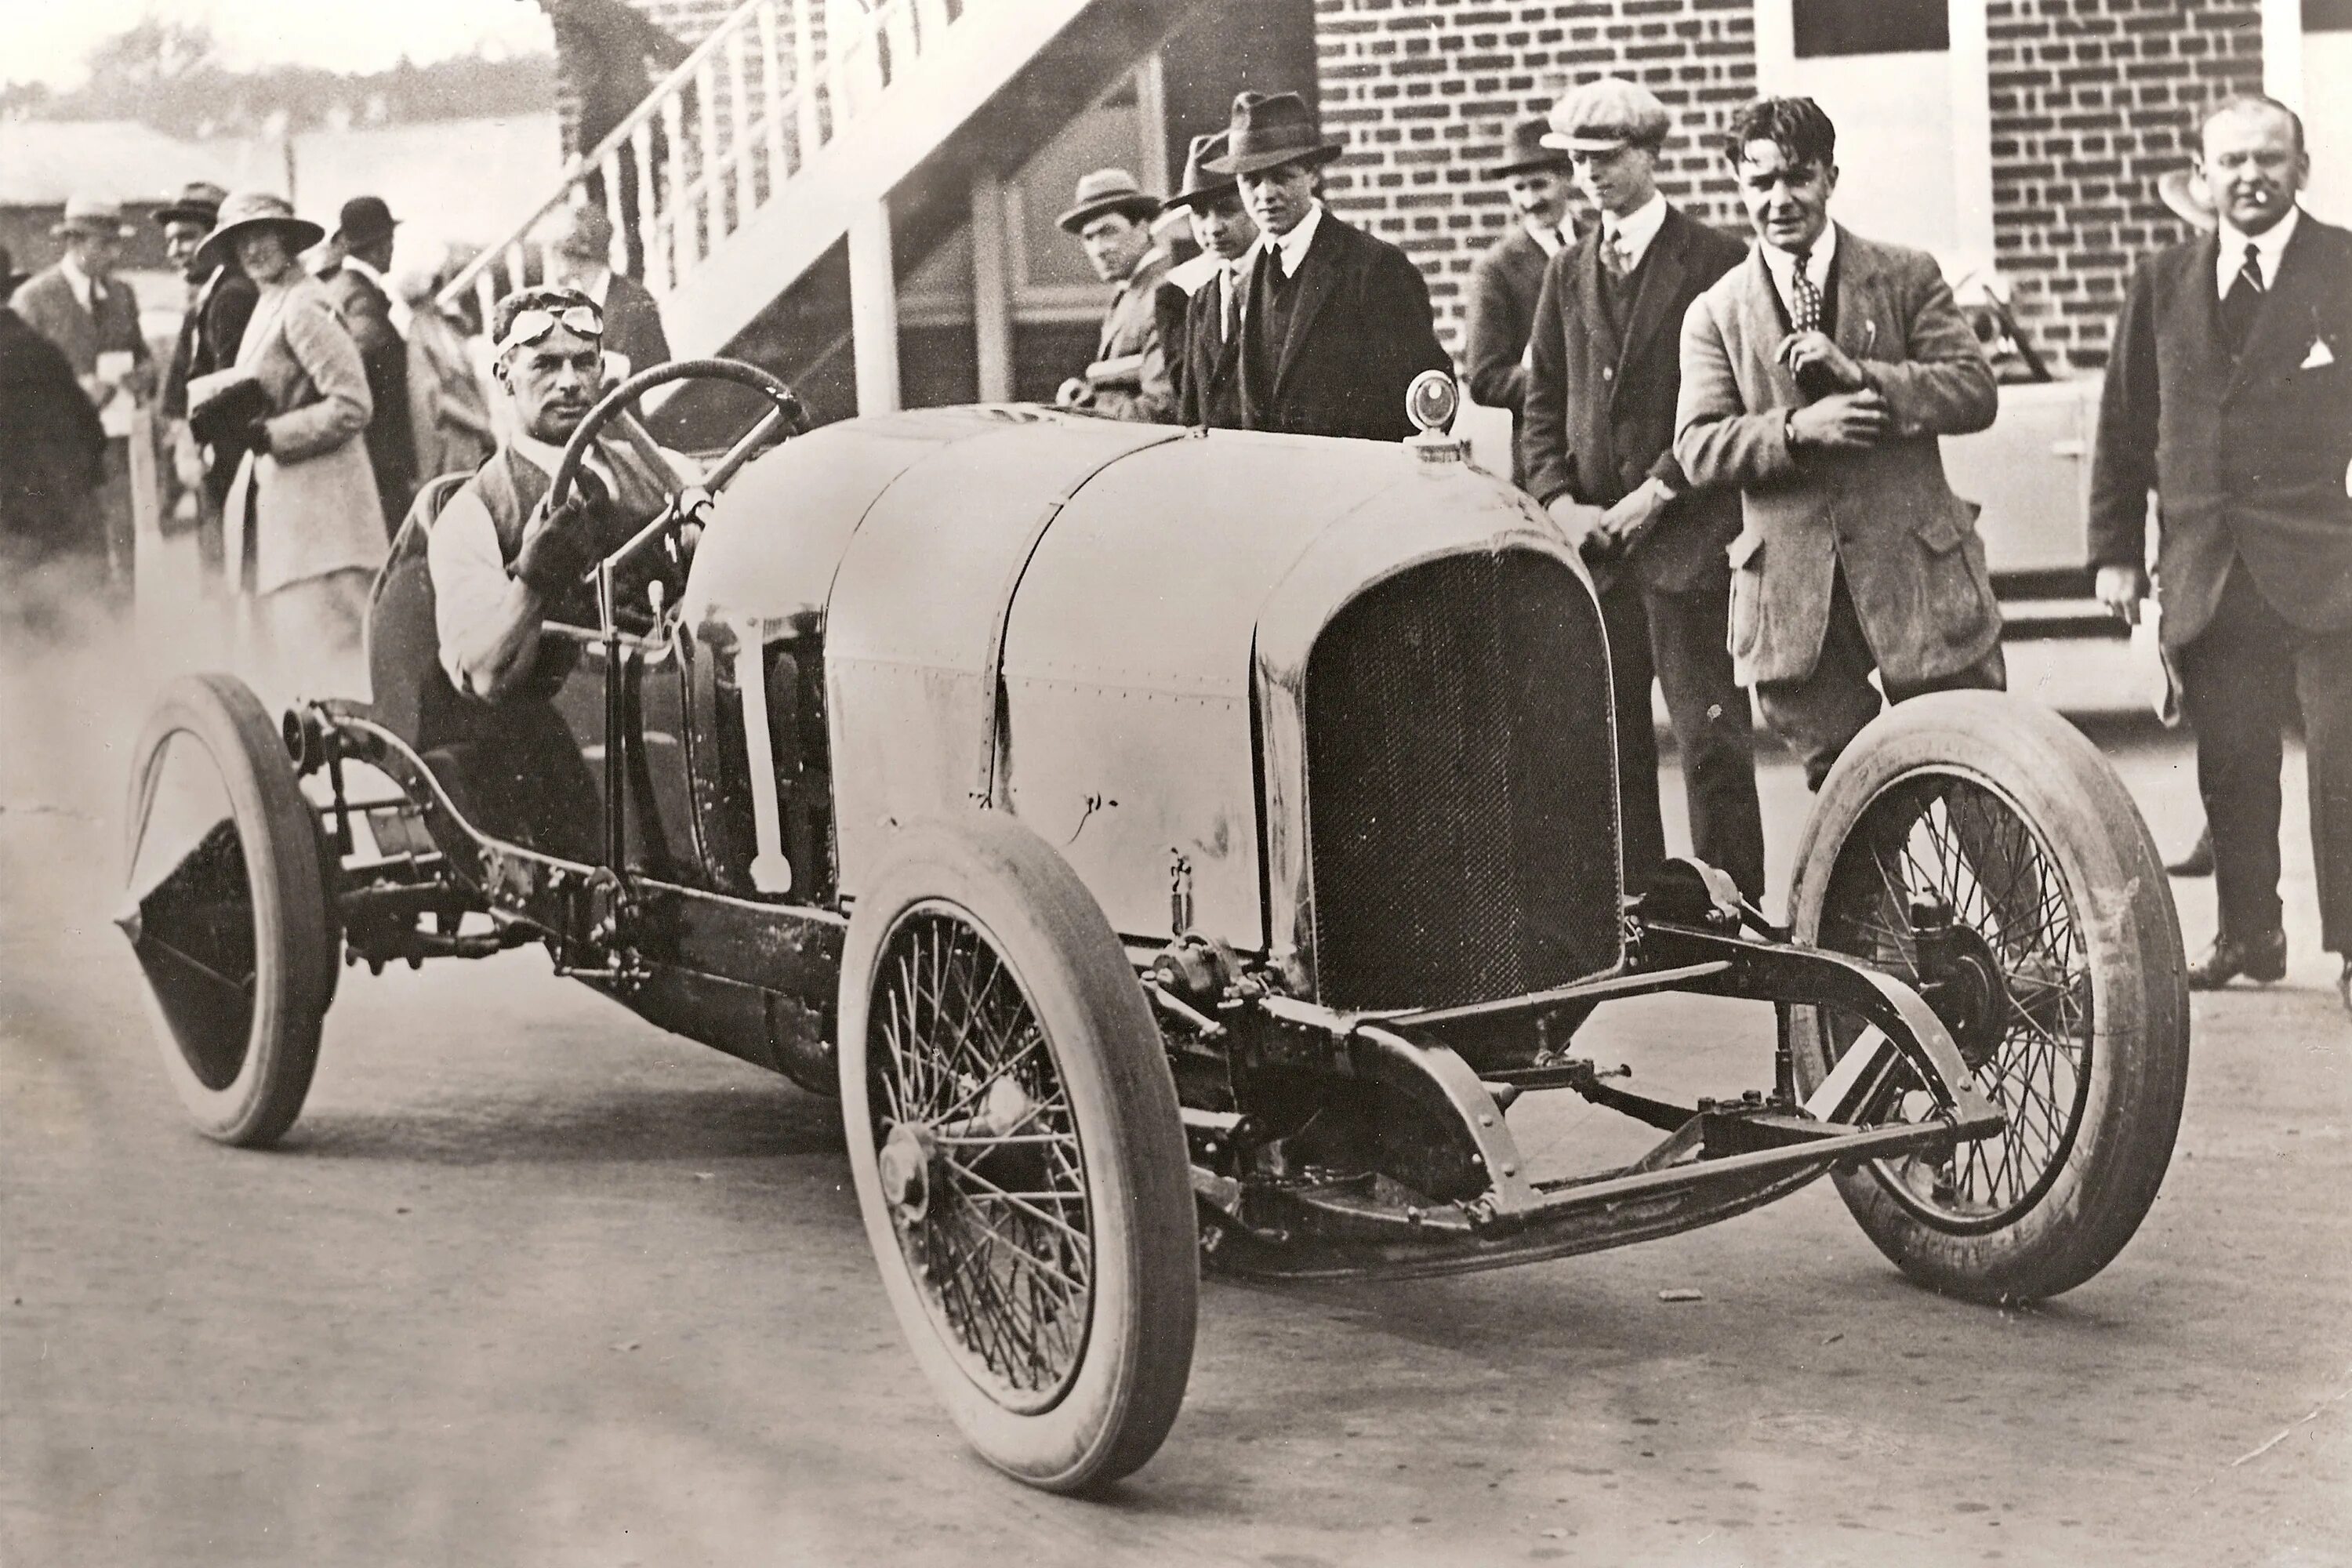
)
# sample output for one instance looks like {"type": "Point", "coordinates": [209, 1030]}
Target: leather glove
{"type": "Point", "coordinates": [556, 555]}
{"type": "Point", "coordinates": [255, 436]}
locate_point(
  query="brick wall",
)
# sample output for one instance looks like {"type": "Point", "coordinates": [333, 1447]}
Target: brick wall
{"type": "Point", "coordinates": [1422, 91]}
{"type": "Point", "coordinates": [2092, 100]}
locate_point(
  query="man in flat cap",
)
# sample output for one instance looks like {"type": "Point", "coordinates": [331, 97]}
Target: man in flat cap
{"type": "Point", "coordinates": [1604, 369]}
{"type": "Point", "coordinates": [1509, 274]}
{"type": "Point", "coordinates": [1337, 323]}
{"type": "Point", "coordinates": [1819, 377]}
{"type": "Point", "coordinates": [1204, 346]}
{"type": "Point", "coordinates": [1128, 378]}
{"type": "Point", "coordinates": [378, 320]}
{"type": "Point", "coordinates": [220, 301]}
{"type": "Point", "coordinates": [93, 318]}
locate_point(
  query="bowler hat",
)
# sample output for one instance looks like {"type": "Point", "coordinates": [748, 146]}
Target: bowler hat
{"type": "Point", "coordinates": [364, 220]}
{"type": "Point", "coordinates": [1605, 114]}
{"type": "Point", "coordinates": [1271, 128]}
{"type": "Point", "coordinates": [248, 211]}
{"type": "Point", "coordinates": [88, 214]}
{"type": "Point", "coordinates": [199, 201]}
{"type": "Point", "coordinates": [1529, 150]}
{"type": "Point", "coordinates": [1201, 186]}
{"type": "Point", "coordinates": [1108, 191]}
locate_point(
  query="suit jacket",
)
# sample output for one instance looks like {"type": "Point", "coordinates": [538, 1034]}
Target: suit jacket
{"type": "Point", "coordinates": [310, 502]}
{"type": "Point", "coordinates": [1359, 332]}
{"type": "Point", "coordinates": [2248, 459]}
{"type": "Point", "coordinates": [1209, 388]}
{"type": "Point", "coordinates": [1130, 336]}
{"type": "Point", "coordinates": [51, 447]}
{"type": "Point", "coordinates": [633, 324]}
{"type": "Point", "coordinates": [1171, 303]}
{"type": "Point", "coordinates": [46, 301]}
{"type": "Point", "coordinates": [1505, 286]}
{"type": "Point", "coordinates": [209, 333]}
{"type": "Point", "coordinates": [1600, 407]}
{"type": "Point", "coordinates": [1886, 515]}
{"type": "Point", "coordinates": [383, 352]}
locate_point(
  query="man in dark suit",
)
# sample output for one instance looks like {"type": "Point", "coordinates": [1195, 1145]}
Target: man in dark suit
{"type": "Point", "coordinates": [1204, 348]}
{"type": "Point", "coordinates": [2230, 397]}
{"type": "Point", "coordinates": [1819, 377]}
{"type": "Point", "coordinates": [1598, 450]}
{"type": "Point", "coordinates": [1509, 276]}
{"type": "Point", "coordinates": [220, 301]}
{"type": "Point", "coordinates": [363, 295]}
{"type": "Point", "coordinates": [580, 249]}
{"type": "Point", "coordinates": [1337, 323]}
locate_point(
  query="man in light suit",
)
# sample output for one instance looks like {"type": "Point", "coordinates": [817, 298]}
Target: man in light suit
{"type": "Point", "coordinates": [1817, 377]}
{"type": "Point", "coordinates": [579, 247]}
{"type": "Point", "coordinates": [1338, 322]}
{"type": "Point", "coordinates": [93, 318]}
{"type": "Point", "coordinates": [1128, 378]}
{"type": "Point", "coordinates": [1597, 448]}
{"type": "Point", "coordinates": [2230, 397]}
{"type": "Point", "coordinates": [1508, 276]}
{"type": "Point", "coordinates": [1204, 350]}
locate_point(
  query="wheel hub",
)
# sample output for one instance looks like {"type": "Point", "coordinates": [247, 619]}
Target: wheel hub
{"type": "Point", "coordinates": [905, 1171]}
{"type": "Point", "coordinates": [1960, 976]}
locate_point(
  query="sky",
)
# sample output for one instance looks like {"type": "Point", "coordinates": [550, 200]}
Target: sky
{"type": "Point", "coordinates": [46, 40]}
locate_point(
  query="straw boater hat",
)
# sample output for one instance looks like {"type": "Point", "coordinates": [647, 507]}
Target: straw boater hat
{"type": "Point", "coordinates": [1529, 150]}
{"type": "Point", "coordinates": [1607, 113]}
{"type": "Point", "coordinates": [1108, 191]}
{"type": "Point", "coordinates": [88, 214]}
{"type": "Point", "coordinates": [1271, 128]}
{"type": "Point", "coordinates": [2184, 193]}
{"type": "Point", "coordinates": [248, 211]}
{"type": "Point", "coordinates": [199, 201]}
{"type": "Point", "coordinates": [1201, 186]}
{"type": "Point", "coordinates": [364, 221]}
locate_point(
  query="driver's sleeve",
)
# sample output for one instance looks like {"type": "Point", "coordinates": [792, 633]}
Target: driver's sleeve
{"type": "Point", "coordinates": [469, 580]}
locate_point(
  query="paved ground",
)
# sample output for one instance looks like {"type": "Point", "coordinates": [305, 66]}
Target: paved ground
{"type": "Point", "coordinates": [533, 1283]}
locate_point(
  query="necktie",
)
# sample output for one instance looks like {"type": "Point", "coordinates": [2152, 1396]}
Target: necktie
{"type": "Point", "coordinates": [1231, 286]}
{"type": "Point", "coordinates": [1613, 253]}
{"type": "Point", "coordinates": [1805, 297]}
{"type": "Point", "coordinates": [2242, 302]}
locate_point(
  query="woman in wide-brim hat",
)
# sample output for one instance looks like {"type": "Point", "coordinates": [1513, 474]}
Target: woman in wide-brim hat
{"type": "Point", "coordinates": [305, 531]}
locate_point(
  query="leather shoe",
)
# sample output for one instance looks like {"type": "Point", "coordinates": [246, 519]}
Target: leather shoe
{"type": "Point", "coordinates": [2260, 957]}
{"type": "Point", "coordinates": [2198, 861]}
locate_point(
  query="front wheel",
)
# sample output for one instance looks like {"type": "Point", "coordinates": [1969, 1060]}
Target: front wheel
{"type": "Point", "coordinates": [1976, 846]}
{"type": "Point", "coordinates": [1014, 1133]}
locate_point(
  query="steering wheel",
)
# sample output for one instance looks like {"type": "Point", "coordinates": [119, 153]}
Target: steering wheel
{"type": "Point", "coordinates": [618, 409]}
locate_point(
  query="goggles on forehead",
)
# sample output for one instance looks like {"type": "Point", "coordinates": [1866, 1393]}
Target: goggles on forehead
{"type": "Point", "coordinates": [534, 324]}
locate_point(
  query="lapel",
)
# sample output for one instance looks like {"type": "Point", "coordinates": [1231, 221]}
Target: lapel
{"type": "Point", "coordinates": [1584, 265]}
{"type": "Point", "coordinates": [1762, 326]}
{"type": "Point", "coordinates": [1318, 284]}
{"type": "Point", "coordinates": [1860, 301]}
{"type": "Point", "coordinates": [1662, 281]}
{"type": "Point", "coordinates": [2289, 317]}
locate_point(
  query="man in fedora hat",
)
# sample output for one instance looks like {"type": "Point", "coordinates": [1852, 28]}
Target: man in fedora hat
{"type": "Point", "coordinates": [220, 301]}
{"type": "Point", "coordinates": [363, 236]}
{"type": "Point", "coordinates": [579, 256]}
{"type": "Point", "coordinates": [1128, 378]}
{"type": "Point", "coordinates": [1597, 448]}
{"type": "Point", "coordinates": [1337, 323]}
{"type": "Point", "coordinates": [93, 317]}
{"type": "Point", "coordinates": [1509, 274]}
{"type": "Point", "coordinates": [1202, 326]}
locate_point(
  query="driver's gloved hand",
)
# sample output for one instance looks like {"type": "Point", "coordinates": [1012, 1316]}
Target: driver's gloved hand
{"type": "Point", "coordinates": [557, 554]}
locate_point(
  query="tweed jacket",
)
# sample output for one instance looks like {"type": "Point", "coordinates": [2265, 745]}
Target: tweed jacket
{"type": "Point", "coordinates": [46, 301]}
{"type": "Point", "coordinates": [633, 324]}
{"type": "Point", "coordinates": [1885, 514]}
{"type": "Point", "coordinates": [1504, 284]}
{"type": "Point", "coordinates": [1359, 332]}
{"type": "Point", "coordinates": [310, 503]}
{"type": "Point", "coordinates": [1600, 403]}
{"type": "Point", "coordinates": [1130, 337]}
{"type": "Point", "coordinates": [2249, 459]}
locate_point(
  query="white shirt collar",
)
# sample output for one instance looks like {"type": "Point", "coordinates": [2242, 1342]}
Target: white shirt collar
{"type": "Point", "coordinates": [1291, 249]}
{"type": "Point", "coordinates": [2269, 246]}
{"type": "Point", "coordinates": [1782, 265]}
{"type": "Point", "coordinates": [84, 286]}
{"type": "Point", "coordinates": [597, 285]}
{"type": "Point", "coordinates": [1634, 231]}
{"type": "Point", "coordinates": [1549, 237]}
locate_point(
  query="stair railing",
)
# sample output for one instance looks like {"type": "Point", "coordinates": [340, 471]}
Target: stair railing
{"type": "Point", "coordinates": [776, 83]}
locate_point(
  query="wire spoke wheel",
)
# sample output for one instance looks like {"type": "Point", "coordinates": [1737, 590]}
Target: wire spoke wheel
{"type": "Point", "coordinates": [1980, 850]}
{"type": "Point", "coordinates": [981, 1160]}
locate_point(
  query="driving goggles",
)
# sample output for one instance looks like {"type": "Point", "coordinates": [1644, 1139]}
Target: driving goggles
{"type": "Point", "coordinates": [533, 325]}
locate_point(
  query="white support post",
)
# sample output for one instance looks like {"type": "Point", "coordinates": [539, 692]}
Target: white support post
{"type": "Point", "coordinates": [991, 289]}
{"type": "Point", "coordinates": [651, 203]}
{"type": "Point", "coordinates": [772, 92]}
{"type": "Point", "coordinates": [874, 309]}
{"type": "Point", "coordinates": [738, 84]}
{"type": "Point", "coordinates": [616, 254]}
{"type": "Point", "coordinates": [804, 75]}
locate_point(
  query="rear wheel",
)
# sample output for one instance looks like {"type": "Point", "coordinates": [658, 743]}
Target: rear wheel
{"type": "Point", "coordinates": [1978, 847]}
{"type": "Point", "coordinates": [227, 909]}
{"type": "Point", "coordinates": [1013, 1132]}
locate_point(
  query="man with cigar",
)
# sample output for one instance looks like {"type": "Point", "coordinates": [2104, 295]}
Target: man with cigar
{"type": "Point", "coordinates": [1128, 377]}
{"type": "Point", "coordinates": [1604, 369]}
{"type": "Point", "coordinates": [1204, 350]}
{"type": "Point", "coordinates": [1337, 323]}
{"type": "Point", "coordinates": [1508, 276]}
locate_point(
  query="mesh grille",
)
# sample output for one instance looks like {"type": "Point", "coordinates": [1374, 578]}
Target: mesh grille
{"type": "Point", "coordinates": [1462, 798]}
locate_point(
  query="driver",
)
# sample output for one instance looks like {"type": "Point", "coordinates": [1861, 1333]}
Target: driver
{"type": "Point", "coordinates": [504, 565]}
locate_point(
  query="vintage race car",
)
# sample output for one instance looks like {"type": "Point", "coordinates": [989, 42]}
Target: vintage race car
{"type": "Point", "coordinates": [1176, 846]}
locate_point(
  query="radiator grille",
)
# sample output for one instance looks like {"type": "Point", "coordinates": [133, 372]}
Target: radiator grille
{"type": "Point", "coordinates": [1460, 792]}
